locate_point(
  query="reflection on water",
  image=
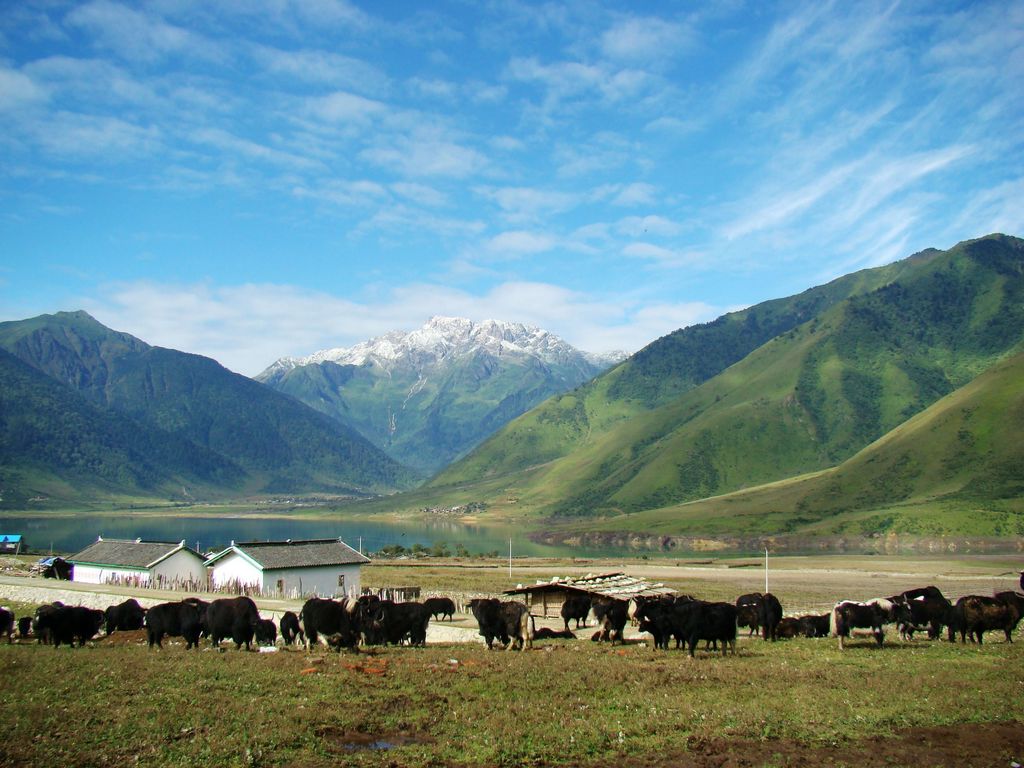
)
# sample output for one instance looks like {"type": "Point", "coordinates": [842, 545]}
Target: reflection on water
{"type": "Point", "coordinates": [71, 534]}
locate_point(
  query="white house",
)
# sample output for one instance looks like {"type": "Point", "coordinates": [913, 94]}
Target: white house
{"type": "Point", "coordinates": [117, 561]}
{"type": "Point", "coordinates": [325, 567]}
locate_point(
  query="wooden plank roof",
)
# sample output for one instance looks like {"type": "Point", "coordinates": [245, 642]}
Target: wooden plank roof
{"type": "Point", "coordinates": [616, 584]}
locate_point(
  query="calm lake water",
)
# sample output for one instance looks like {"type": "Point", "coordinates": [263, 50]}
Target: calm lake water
{"type": "Point", "coordinates": [71, 534]}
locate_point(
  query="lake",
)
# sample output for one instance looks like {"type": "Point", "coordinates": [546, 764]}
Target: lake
{"type": "Point", "coordinates": [69, 534]}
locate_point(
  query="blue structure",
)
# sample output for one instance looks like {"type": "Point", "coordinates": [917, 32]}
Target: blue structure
{"type": "Point", "coordinates": [11, 543]}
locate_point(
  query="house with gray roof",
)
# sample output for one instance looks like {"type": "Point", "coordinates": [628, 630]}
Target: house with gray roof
{"type": "Point", "coordinates": [323, 567]}
{"type": "Point", "coordinates": [137, 562]}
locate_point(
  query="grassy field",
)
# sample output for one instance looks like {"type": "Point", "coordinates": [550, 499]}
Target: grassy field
{"type": "Point", "coordinates": [798, 702]}
{"type": "Point", "coordinates": [564, 703]}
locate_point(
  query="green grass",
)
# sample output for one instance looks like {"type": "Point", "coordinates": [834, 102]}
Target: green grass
{"type": "Point", "coordinates": [562, 704]}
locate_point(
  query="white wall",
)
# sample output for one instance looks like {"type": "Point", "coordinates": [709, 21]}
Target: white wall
{"type": "Point", "coordinates": [233, 567]}
{"type": "Point", "coordinates": [99, 574]}
{"type": "Point", "coordinates": [183, 566]}
{"type": "Point", "coordinates": [321, 580]}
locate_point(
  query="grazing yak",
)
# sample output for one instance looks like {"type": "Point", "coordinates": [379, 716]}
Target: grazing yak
{"type": "Point", "coordinates": [612, 615]}
{"type": "Point", "coordinates": [815, 625]}
{"type": "Point", "coordinates": [440, 606]}
{"type": "Point", "coordinates": [689, 621]}
{"type": "Point", "coordinates": [266, 632]}
{"type": "Point", "coordinates": [973, 615]}
{"type": "Point", "coordinates": [509, 622]}
{"type": "Point", "coordinates": [234, 617]}
{"type": "Point", "coordinates": [654, 616]}
{"type": "Point", "coordinates": [290, 629]}
{"type": "Point", "coordinates": [182, 619]}
{"type": "Point", "coordinates": [126, 616]}
{"type": "Point", "coordinates": [24, 627]}
{"type": "Point", "coordinates": [7, 624]}
{"type": "Point", "coordinates": [41, 622]}
{"type": "Point", "coordinates": [748, 612]}
{"type": "Point", "coordinates": [760, 613]}
{"type": "Point", "coordinates": [713, 622]}
{"type": "Point", "coordinates": [334, 623]}
{"type": "Point", "coordinates": [575, 608]}
{"type": "Point", "coordinates": [384, 621]}
{"type": "Point", "coordinates": [789, 628]}
{"type": "Point", "coordinates": [769, 616]}
{"type": "Point", "coordinates": [848, 615]}
{"type": "Point", "coordinates": [925, 607]}
{"type": "Point", "coordinates": [68, 624]}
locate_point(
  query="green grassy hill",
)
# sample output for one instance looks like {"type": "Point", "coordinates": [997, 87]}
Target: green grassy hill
{"type": "Point", "coordinates": [281, 445]}
{"type": "Point", "coordinates": [804, 401]}
{"type": "Point", "coordinates": [953, 469]}
{"type": "Point", "coordinates": [658, 374]}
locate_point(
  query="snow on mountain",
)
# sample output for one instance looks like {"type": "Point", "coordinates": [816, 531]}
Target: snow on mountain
{"type": "Point", "coordinates": [442, 339]}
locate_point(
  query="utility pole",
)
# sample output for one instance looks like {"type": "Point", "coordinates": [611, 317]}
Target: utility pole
{"type": "Point", "coordinates": [510, 558]}
{"type": "Point", "coordinates": [766, 570]}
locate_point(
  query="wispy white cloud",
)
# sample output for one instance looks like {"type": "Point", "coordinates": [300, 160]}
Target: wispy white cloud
{"type": "Point", "coordinates": [343, 107]}
{"type": "Point", "coordinates": [323, 67]}
{"type": "Point", "coordinates": [524, 204]}
{"type": "Point", "coordinates": [646, 39]}
{"type": "Point", "coordinates": [19, 91]}
{"type": "Point", "coordinates": [75, 136]}
{"type": "Point", "coordinates": [139, 36]}
{"type": "Point", "coordinates": [663, 256]}
{"type": "Point", "coordinates": [638, 193]}
{"type": "Point", "coordinates": [251, 150]}
{"type": "Point", "coordinates": [420, 156]}
{"type": "Point", "coordinates": [517, 243]}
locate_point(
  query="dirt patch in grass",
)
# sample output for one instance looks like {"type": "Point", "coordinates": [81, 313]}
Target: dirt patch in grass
{"type": "Point", "coordinates": [984, 745]}
{"type": "Point", "coordinates": [340, 741]}
{"type": "Point", "coordinates": [124, 637]}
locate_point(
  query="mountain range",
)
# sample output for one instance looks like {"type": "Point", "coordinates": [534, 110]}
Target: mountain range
{"type": "Point", "coordinates": [89, 411]}
{"type": "Point", "coordinates": [888, 400]}
{"type": "Point", "coordinates": [429, 396]}
{"type": "Point", "coordinates": [785, 388]}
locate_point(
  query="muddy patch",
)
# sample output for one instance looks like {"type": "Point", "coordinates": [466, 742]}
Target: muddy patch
{"type": "Point", "coordinates": [341, 741]}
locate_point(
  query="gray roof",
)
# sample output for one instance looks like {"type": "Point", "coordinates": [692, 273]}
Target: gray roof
{"type": "Point", "coordinates": [271, 555]}
{"type": "Point", "coordinates": [128, 553]}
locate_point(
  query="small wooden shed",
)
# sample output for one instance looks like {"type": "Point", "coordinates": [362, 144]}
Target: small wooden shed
{"type": "Point", "coordinates": [545, 598]}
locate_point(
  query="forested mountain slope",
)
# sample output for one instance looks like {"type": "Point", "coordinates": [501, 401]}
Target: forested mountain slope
{"type": "Point", "coordinates": [806, 400]}
{"type": "Point", "coordinates": [280, 444]}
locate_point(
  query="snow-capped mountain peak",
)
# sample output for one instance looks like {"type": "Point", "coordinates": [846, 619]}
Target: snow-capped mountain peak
{"type": "Point", "coordinates": [443, 338]}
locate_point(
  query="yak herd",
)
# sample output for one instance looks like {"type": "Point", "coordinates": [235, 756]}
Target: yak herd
{"type": "Point", "coordinates": [370, 620]}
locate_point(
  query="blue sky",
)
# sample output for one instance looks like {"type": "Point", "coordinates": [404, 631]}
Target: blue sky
{"type": "Point", "coordinates": [252, 180]}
